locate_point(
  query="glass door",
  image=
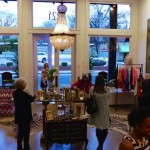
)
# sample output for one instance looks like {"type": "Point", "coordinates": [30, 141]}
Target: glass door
{"type": "Point", "coordinates": [44, 52]}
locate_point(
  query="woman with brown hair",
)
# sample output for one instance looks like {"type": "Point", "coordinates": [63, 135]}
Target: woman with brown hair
{"type": "Point", "coordinates": [101, 118]}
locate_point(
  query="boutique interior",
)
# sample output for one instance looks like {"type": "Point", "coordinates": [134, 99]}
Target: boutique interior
{"type": "Point", "coordinates": [99, 36]}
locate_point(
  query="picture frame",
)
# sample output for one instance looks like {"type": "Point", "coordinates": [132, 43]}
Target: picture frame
{"type": "Point", "coordinates": [81, 94]}
{"type": "Point", "coordinates": [78, 109]}
{"type": "Point", "coordinates": [54, 108]}
{"type": "Point", "coordinates": [73, 95]}
{"type": "Point", "coordinates": [40, 95]}
{"type": "Point", "coordinates": [49, 115]}
{"type": "Point", "coordinates": [69, 96]}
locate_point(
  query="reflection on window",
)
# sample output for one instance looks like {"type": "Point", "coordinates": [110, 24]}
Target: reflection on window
{"type": "Point", "coordinates": [100, 16]}
{"type": "Point", "coordinates": [45, 54]}
{"type": "Point", "coordinates": [123, 17]}
{"type": "Point", "coordinates": [8, 14]}
{"type": "Point", "coordinates": [9, 54]}
{"type": "Point", "coordinates": [65, 68]}
{"type": "Point", "coordinates": [48, 16]}
{"type": "Point", "coordinates": [99, 49]}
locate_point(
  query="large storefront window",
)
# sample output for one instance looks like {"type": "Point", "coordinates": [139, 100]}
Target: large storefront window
{"type": "Point", "coordinates": [105, 15]}
{"type": "Point", "coordinates": [48, 16]}
{"type": "Point", "coordinates": [65, 67]}
{"type": "Point", "coordinates": [99, 53]}
{"type": "Point", "coordinates": [8, 14]}
{"type": "Point", "coordinates": [8, 55]}
{"type": "Point", "coordinates": [46, 54]}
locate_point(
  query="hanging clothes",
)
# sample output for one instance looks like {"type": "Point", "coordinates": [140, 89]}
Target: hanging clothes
{"type": "Point", "coordinates": [127, 78]}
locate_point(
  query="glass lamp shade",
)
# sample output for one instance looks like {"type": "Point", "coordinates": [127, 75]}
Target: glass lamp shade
{"type": "Point", "coordinates": [61, 41]}
{"type": "Point", "coordinates": [61, 38]}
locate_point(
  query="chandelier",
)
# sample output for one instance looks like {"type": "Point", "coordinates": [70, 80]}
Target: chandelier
{"type": "Point", "coordinates": [61, 38]}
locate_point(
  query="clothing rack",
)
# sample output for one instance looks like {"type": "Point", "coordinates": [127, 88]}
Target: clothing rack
{"type": "Point", "coordinates": [140, 73]}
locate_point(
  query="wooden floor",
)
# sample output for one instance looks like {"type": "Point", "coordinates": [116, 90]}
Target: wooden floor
{"type": "Point", "coordinates": [111, 143]}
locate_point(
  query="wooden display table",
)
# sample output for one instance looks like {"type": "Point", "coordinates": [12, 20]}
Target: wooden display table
{"type": "Point", "coordinates": [66, 131]}
{"type": "Point", "coordinates": [63, 131]}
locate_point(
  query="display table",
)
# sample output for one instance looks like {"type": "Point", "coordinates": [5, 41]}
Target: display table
{"type": "Point", "coordinates": [66, 131]}
{"type": "Point", "coordinates": [117, 97]}
{"type": "Point", "coordinates": [63, 131]}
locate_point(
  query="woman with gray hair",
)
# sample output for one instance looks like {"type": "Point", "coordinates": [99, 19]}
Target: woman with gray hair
{"type": "Point", "coordinates": [23, 114]}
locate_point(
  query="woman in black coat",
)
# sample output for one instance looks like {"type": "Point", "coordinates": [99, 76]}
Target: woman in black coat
{"type": "Point", "coordinates": [23, 114]}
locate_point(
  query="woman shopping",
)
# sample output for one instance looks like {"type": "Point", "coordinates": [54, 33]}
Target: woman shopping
{"type": "Point", "coordinates": [101, 118]}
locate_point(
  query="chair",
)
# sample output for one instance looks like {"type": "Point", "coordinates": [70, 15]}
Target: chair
{"type": "Point", "coordinates": [7, 79]}
{"type": "Point", "coordinates": [104, 74]}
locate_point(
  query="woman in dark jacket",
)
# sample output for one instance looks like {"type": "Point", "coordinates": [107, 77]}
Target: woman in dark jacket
{"type": "Point", "coordinates": [23, 114]}
{"type": "Point", "coordinates": [144, 99]}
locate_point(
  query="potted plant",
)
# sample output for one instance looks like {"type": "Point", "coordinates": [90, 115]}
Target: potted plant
{"type": "Point", "coordinates": [51, 72]}
{"type": "Point", "coordinates": [50, 77]}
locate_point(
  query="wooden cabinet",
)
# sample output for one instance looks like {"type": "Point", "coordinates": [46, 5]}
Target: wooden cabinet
{"type": "Point", "coordinates": [63, 131]}
{"type": "Point", "coordinates": [68, 131]}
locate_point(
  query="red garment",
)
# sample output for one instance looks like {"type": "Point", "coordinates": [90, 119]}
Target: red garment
{"type": "Point", "coordinates": [82, 85]}
{"type": "Point", "coordinates": [122, 78]}
{"type": "Point", "coordinates": [139, 86]}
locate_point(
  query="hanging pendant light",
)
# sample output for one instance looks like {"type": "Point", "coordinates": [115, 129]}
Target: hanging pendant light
{"type": "Point", "coordinates": [61, 38]}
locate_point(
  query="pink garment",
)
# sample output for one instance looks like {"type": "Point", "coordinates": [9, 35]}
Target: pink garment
{"type": "Point", "coordinates": [44, 75]}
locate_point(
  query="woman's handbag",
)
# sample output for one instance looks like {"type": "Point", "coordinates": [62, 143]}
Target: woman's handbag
{"type": "Point", "coordinates": [91, 106]}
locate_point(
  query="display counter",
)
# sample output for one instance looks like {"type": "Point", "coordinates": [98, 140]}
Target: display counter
{"type": "Point", "coordinates": [118, 97]}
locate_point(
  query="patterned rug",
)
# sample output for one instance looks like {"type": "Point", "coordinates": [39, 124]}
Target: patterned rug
{"type": "Point", "coordinates": [118, 123]}
{"type": "Point", "coordinates": [11, 128]}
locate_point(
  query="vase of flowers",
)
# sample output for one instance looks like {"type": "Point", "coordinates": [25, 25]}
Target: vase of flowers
{"type": "Point", "coordinates": [51, 77]}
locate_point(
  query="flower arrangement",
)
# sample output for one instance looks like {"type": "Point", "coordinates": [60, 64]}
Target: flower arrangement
{"type": "Point", "coordinates": [51, 72]}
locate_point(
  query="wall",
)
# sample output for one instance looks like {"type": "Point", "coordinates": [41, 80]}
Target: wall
{"type": "Point", "coordinates": [143, 15]}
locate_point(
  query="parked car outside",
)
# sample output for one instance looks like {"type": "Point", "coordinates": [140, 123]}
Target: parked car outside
{"type": "Point", "coordinates": [7, 63]}
{"type": "Point", "coordinates": [98, 62]}
{"type": "Point", "coordinates": [42, 57]}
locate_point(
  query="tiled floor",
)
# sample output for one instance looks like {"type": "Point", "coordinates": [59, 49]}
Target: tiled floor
{"type": "Point", "coordinates": [111, 143]}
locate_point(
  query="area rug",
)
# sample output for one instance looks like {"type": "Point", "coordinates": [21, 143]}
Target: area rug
{"type": "Point", "coordinates": [118, 124]}
{"type": "Point", "coordinates": [11, 128]}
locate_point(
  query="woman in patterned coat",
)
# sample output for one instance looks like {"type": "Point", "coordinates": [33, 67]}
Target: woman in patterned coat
{"type": "Point", "coordinates": [137, 139]}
